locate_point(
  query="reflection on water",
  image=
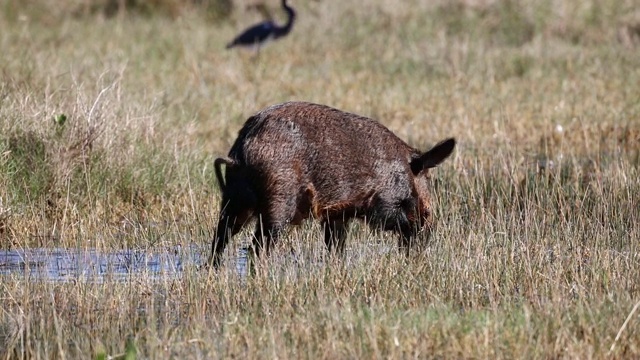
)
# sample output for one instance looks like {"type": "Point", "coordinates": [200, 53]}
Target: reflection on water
{"type": "Point", "coordinates": [55, 264]}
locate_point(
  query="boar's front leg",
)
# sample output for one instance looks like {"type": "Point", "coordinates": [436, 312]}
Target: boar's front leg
{"type": "Point", "coordinates": [335, 233]}
{"type": "Point", "coordinates": [407, 224]}
{"type": "Point", "coordinates": [407, 238]}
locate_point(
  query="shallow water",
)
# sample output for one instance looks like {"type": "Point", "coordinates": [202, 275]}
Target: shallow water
{"type": "Point", "coordinates": [93, 265]}
{"type": "Point", "coordinates": [58, 264]}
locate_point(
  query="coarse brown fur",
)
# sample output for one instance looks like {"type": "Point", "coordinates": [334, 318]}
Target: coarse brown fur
{"type": "Point", "coordinates": [297, 160]}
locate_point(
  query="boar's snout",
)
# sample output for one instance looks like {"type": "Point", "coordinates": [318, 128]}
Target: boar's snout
{"type": "Point", "coordinates": [420, 166]}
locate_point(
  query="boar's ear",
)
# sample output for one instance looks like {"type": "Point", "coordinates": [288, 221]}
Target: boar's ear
{"type": "Point", "coordinates": [433, 157]}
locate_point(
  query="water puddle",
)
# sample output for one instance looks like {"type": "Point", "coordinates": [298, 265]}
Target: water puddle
{"type": "Point", "coordinates": [55, 264]}
{"type": "Point", "coordinates": [72, 264]}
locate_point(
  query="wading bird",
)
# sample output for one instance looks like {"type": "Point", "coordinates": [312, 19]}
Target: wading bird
{"type": "Point", "coordinates": [259, 34]}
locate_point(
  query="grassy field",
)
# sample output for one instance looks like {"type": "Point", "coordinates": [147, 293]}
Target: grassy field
{"type": "Point", "coordinates": [110, 121]}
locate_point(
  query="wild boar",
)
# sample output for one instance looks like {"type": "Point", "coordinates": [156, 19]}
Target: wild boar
{"type": "Point", "coordinates": [297, 160]}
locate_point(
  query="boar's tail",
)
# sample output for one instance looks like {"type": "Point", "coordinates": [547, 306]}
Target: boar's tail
{"type": "Point", "coordinates": [217, 165]}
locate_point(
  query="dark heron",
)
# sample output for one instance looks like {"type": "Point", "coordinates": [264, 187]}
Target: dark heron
{"type": "Point", "coordinates": [260, 33]}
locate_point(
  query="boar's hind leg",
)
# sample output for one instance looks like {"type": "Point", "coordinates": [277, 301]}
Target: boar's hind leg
{"type": "Point", "coordinates": [230, 223]}
{"type": "Point", "coordinates": [278, 212]}
{"type": "Point", "coordinates": [266, 234]}
{"type": "Point", "coordinates": [335, 233]}
{"type": "Point", "coordinates": [239, 204]}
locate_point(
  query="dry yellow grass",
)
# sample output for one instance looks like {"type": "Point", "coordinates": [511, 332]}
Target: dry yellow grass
{"type": "Point", "coordinates": [109, 125]}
